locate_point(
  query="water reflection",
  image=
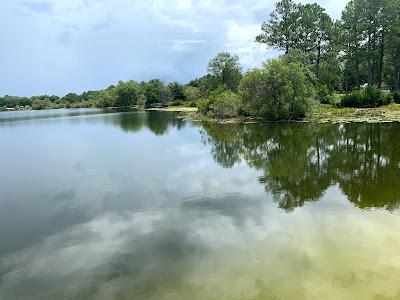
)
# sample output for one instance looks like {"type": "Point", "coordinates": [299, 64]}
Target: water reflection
{"type": "Point", "coordinates": [13, 117]}
{"type": "Point", "coordinates": [143, 205]}
{"type": "Point", "coordinates": [300, 161]}
{"type": "Point", "coordinates": [129, 120]}
{"type": "Point", "coordinates": [156, 121]}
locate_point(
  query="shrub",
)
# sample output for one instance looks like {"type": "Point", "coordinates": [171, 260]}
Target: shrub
{"type": "Point", "coordinates": [396, 97]}
{"type": "Point", "coordinates": [105, 98]}
{"type": "Point", "coordinates": [353, 99]}
{"type": "Point", "coordinates": [386, 99]}
{"type": "Point", "coordinates": [192, 93]}
{"type": "Point", "coordinates": [141, 102]}
{"type": "Point", "coordinates": [178, 102]}
{"type": "Point", "coordinates": [279, 91]}
{"type": "Point", "coordinates": [370, 97]}
{"type": "Point", "coordinates": [220, 105]}
{"type": "Point", "coordinates": [324, 95]}
{"type": "Point", "coordinates": [41, 104]}
{"type": "Point", "coordinates": [203, 105]}
{"type": "Point", "coordinates": [126, 93]}
{"type": "Point", "coordinates": [226, 104]}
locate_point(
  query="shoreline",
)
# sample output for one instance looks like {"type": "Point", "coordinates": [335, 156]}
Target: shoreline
{"type": "Point", "coordinates": [324, 113]}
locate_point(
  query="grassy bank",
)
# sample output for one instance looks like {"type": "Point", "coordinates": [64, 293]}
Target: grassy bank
{"type": "Point", "coordinates": [324, 113]}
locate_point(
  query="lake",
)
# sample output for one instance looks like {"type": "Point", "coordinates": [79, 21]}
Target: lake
{"type": "Point", "coordinates": [145, 205]}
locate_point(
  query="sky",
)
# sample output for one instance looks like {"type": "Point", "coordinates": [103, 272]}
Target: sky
{"type": "Point", "coordinates": [61, 46]}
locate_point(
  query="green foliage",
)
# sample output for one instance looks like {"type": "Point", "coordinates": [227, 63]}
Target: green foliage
{"type": "Point", "coordinates": [106, 98]}
{"type": "Point", "coordinates": [88, 96]}
{"type": "Point", "coordinates": [70, 98]}
{"type": "Point", "coordinates": [303, 59]}
{"type": "Point", "coordinates": [223, 104]}
{"type": "Point", "coordinates": [12, 101]}
{"type": "Point", "coordinates": [192, 93]}
{"type": "Point", "coordinates": [177, 103]}
{"type": "Point", "coordinates": [362, 47]}
{"type": "Point", "coordinates": [279, 91]}
{"type": "Point", "coordinates": [370, 97]}
{"type": "Point", "coordinates": [226, 104]}
{"type": "Point", "coordinates": [126, 94]}
{"type": "Point", "coordinates": [39, 104]}
{"type": "Point", "coordinates": [306, 27]}
{"type": "Point", "coordinates": [206, 85]}
{"type": "Point", "coordinates": [396, 97]}
{"type": "Point", "coordinates": [280, 30]}
{"type": "Point", "coordinates": [177, 91]}
{"type": "Point", "coordinates": [204, 103]}
{"type": "Point", "coordinates": [226, 69]}
{"type": "Point", "coordinates": [156, 92]}
{"type": "Point", "coordinates": [253, 91]}
{"type": "Point", "coordinates": [324, 95]}
{"type": "Point", "coordinates": [369, 38]}
{"type": "Point", "coordinates": [141, 101]}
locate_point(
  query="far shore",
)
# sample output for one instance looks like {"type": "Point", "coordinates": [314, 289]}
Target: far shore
{"type": "Point", "coordinates": [175, 109]}
{"type": "Point", "coordinates": [323, 114]}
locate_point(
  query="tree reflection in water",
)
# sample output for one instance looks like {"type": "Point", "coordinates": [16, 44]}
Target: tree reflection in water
{"type": "Point", "coordinates": [300, 161]}
{"type": "Point", "coordinates": [156, 121]}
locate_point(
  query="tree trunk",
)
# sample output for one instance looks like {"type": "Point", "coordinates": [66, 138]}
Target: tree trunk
{"type": "Point", "coordinates": [381, 54]}
{"type": "Point", "coordinates": [374, 62]}
{"type": "Point", "coordinates": [318, 57]}
{"type": "Point", "coordinates": [397, 69]}
{"type": "Point", "coordinates": [357, 72]}
{"type": "Point", "coordinates": [369, 60]}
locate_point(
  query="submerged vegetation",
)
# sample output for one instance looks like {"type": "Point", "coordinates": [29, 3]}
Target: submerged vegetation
{"type": "Point", "coordinates": [356, 57]}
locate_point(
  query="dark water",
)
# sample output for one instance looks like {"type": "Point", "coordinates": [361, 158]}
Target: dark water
{"type": "Point", "coordinates": [135, 205]}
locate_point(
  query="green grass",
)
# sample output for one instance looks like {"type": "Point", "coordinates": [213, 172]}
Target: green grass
{"type": "Point", "coordinates": [393, 107]}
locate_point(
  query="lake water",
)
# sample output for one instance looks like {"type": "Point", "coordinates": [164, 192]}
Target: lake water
{"type": "Point", "coordinates": [144, 205]}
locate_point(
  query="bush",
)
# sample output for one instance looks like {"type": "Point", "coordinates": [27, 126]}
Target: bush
{"type": "Point", "coordinates": [126, 94]}
{"type": "Point", "coordinates": [324, 95]}
{"type": "Point", "coordinates": [280, 91]}
{"type": "Point", "coordinates": [221, 105]}
{"type": "Point", "coordinates": [41, 104]}
{"type": "Point", "coordinates": [396, 97]}
{"type": "Point", "coordinates": [192, 93]}
{"type": "Point", "coordinates": [178, 102]}
{"type": "Point", "coordinates": [204, 105]}
{"type": "Point", "coordinates": [226, 104]}
{"type": "Point", "coordinates": [370, 97]}
{"type": "Point", "coordinates": [387, 98]}
{"type": "Point", "coordinates": [105, 98]}
{"type": "Point", "coordinates": [141, 102]}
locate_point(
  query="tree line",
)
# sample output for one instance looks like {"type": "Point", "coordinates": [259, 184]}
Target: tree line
{"type": "Point", "coordinates": [362, 47]}
{"type": "Point", "coordinates": [357, 55]}
{"type": "Point", "coordinates": [124, 94]}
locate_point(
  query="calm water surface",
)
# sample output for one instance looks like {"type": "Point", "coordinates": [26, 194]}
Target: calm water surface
{"type": "Point", "coordinates": [137, 205]}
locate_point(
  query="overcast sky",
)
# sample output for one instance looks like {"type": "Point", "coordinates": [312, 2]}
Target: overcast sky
{"type": "Point", "coordinates": [57, 46]}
